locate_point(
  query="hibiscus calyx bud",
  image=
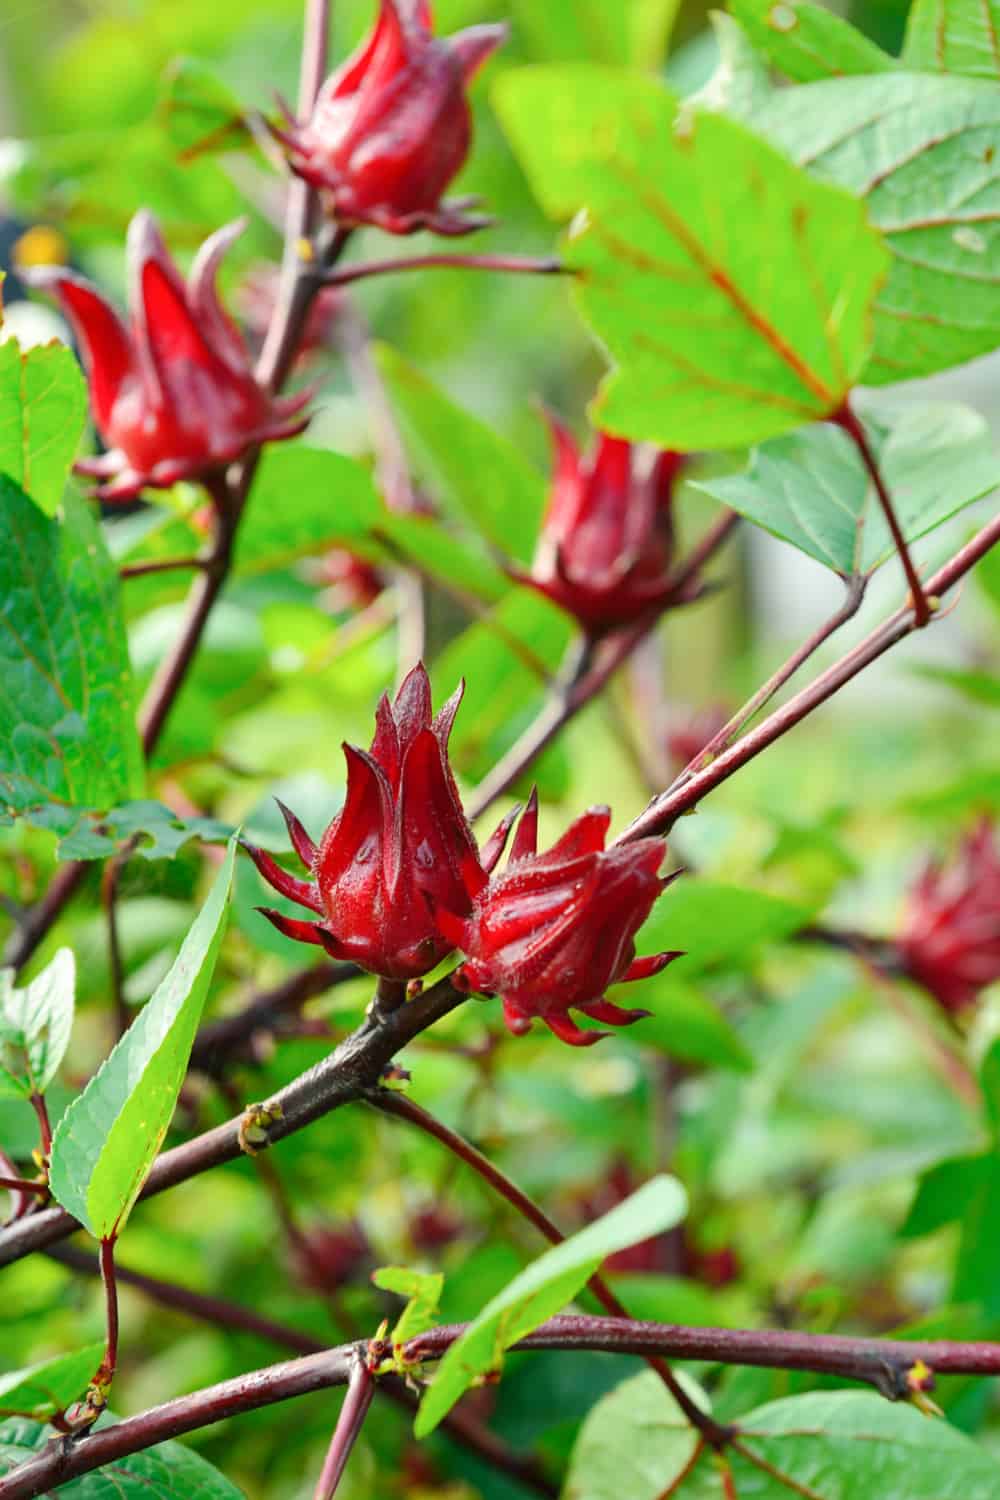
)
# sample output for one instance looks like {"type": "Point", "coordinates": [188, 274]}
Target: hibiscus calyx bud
{"type": "Point", "coordinates": [949, 941]}
{"type": "Point", "coordinates": [392, 126]}
{"type": "Point", "coordinates": [553, 931]}
{"type": "Point", "coordinates": [173, 395]}
{"type": "Point", "coordinates": [606, 547]}
{"type": "Point", "coordinates": [399, 849]}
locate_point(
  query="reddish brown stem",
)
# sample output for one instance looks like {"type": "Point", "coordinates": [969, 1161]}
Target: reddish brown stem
{"type": "Point", "coordinates": [162, 565]}
{"type": "Point", "coordinates": [881, 1363]}
{"type": "Point", "coordinates": [516, 263]}
{"type": "Point", "coordinates": [403, 1108]}
{"type": "Point", "coordinates": [664, 810]}
{"type": "Point", "coordinates": [849, 423]}
{"type": "Point", "coordinates": [360, 1390]}
{"type": "Point", "coordinates": [41, 1109]}
{"type": "Point", "coordinates": [23, 1185]}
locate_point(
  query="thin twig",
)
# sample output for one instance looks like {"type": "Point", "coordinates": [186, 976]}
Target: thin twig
{"type": "Point", "coordinates": [856, 589]}
{"type": "Point", "coordinates": [664, 810]}
{"type": "Point", "coordinates": [23, 1185]}
{"type": "Point", "coordinates": [881, 1363]}
{"type": "Point", "coordinates": [38, 1104]}
{"type": "Point", "coordinates": [517, 263]}
{"type": "Point", "coordinates": [360, 1390]}
{"type": "Point", "coordinates": [162, 565]}
{"type": "Point", "coordinates": [849, 423]}
{"type": "Point", "coordinates": [404, 1108]}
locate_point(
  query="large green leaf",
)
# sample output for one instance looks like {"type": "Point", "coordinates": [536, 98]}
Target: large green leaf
{"type": "Point", "coordinates": [811, 488]}
{"type": "Point", "coordinates": [43, 406]}
{"type": "Point", "coordinates": [632, 1442]}
{"type": "Point", "coordinates": [953, 36]}
{"type": "Point", "coordinates": [632, 33]}
{"type": "Point", "coordinates": [717, 924]}
{"type": "Point", "coordinates": [107, 1140]}
{"type": "Point", "coordinates": [478, 475]}
{"type": "Point", "coordinates": [732, 289]}
{"type": "Point", "coordinates": [739, 84]}
{"type": "Point", "coordinates": [922, 151]}
{"type": "Point", "coordinates": [853, 1445]}
{"type": "Point", "coordinates": [67, 730]}
{"type": "Point", "coordinates": [544, 1287]}
{"type": "Point", "coordinates": [170, 1471]}
{"type": "Point", "coordinates": [684, 1023]}
{"type": "Point", "coordinates": [306, 500]}
{"type": "Point", "coordinates": [35, 1026]}
{"type": "Point", "coordinates": [42, 1390]}
{"type": "Point", "coordinates": [806, 41]}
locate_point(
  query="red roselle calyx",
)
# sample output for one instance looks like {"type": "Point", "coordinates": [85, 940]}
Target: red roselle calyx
{"type": "Point", "coordinates": [399, 849]}
{"type": "Point", "coordinates": [606, 545]}
{"type": "Point", "coordinates": [950, 936]}
{"type": "Point", "coordinates": [392, 126]}
{"type": "Point", "coordinates": [174, 395]}
{"type": "Point", "coordinates": [554, 930]}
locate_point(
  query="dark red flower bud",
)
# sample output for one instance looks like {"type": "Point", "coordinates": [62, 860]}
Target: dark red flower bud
{"type": "Point", "coordinates": [399, 849]}
{"type": "Point", "coordinates": [174, 397]}
{"type": "Point", "coordinates": [325, 1257]}
{"type": "Point", "coordinates": [950, 936]}
{"type": "Point", "coordinates": [555, 930]}
{"type": "Point", "coordinates": [433, 1227]}
{"type": "Point", "coordinates": [352, 582]}
{"type": "Point", "coordinates": [606, 545]}
{"type": "Point", "coordinates": [392, 126]}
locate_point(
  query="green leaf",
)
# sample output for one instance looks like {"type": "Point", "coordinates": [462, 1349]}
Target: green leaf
{"type": "Point", "coordinates": [200, 113]}
{"type": "Point", "coordinates": [943, 1194]}
{"type": "Point", "coordinates": [35, 1026]}
{"type": "Point", "coordinates": [921, 150]}
{"type": "Point", "coordinates": [807, 42]}
{"type": "Point", "coordinates": [159, 833]}
{"type": "Point", "coordinates": [423, 1291]}
{"type": "Point", "coordinates": [989, 1079]}
{"type": "Point", "coordinates": [854, 1445]}
{"type": "Point", "coordinates": [307, 500]}
{"type": "Point", "coordinates": [634, 1442]}
{"type": "Point", "coordinates": [481, 478]}
{"type": "Point", "coordinates": [544, 1287]}
{"type": "Point", "coordinates": [811, 489]}
{"type": "Point", "coordinates": [733, 290]}
{"type": "Point", "coordinates": [684, 1023]}
{"type": "Point", "coordinates": [953, 36]}
{"type": "Point", "coordinates": [43, 406]}
{"type": "Point", "coordinates": [632, 33]}
{"type": "Point", "coordinates": [46, 1388]}
{"type": "Point", "coordinates": [717, 925]}
{"type": "Point", "coordinates": [67, 728]}
{"type": "Point", "coordinates": [978, 687]}
{"type": "Point", "coordinates": [739, 84]}
{"type": "Point", "coordinates": [109, 1136]}
{"type": "Point", "coordinates": [170, 1471]}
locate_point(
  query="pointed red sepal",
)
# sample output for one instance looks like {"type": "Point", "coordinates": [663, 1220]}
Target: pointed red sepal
{"type": "Point", "coordinates": [645, 968]}
{"type": "Point", "coordinates": [302, 891]}
{"type": "Point", "coordinates": [291, 927]}
{"type": "Point", "coordinates": [491, 851]}
{"type": "Point", "coordinates": [515, 1020]}
{"type": "Point", "coordinates": [526, 838]}
{"type": "Point", "coordinates": [475, 44]}
{"type": "Point", "coordinates": [453, 929]}
{"type": "Point", "coordinates": [567, 1031]}
{"type": "Point", "coordinates": [301, 842]}
{"type": "Point", "coordinates": [613, 1015]}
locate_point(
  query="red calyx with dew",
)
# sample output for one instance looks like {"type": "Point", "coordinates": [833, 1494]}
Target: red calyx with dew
{"type": "Point", "coordinates": [174, 395]}
{"type": "Point", "coordinates": [398, 851]}
{"type": "Point", "coordinates": [392, 126]}
{"type": "Point", "coordinates": [555, 930]}
{"type": "Point", "coordinates": [950, 936]}
{"type": "Point", "coordinates": [606, 545]}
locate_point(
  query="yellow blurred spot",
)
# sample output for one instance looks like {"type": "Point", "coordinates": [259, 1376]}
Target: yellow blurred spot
{"type": "Point", "coordinates": [41, 246]}
{"type": "Point", "coordinates": [304, 250]}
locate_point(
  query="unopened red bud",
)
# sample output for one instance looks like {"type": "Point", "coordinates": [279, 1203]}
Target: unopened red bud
{"type": "Point", "coordinates": [950, 936]}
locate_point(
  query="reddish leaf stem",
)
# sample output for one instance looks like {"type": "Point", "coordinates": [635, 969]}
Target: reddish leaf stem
{"type": "Point", "coordinates": [849, 423]}
{"type": "Point", "coordinates": [41, 1109]}
{"type": "Point", "coordinates": [404, 1108]}
{"type": "Point", "coordinates": [23, 1185]}
{"type": "Point", "coordinates": [161, 565]}
{"type": "Point", "coordinates": [516, 263]}
{"type": "Point", "coordinates": [664, 810]}
{"type": "Point", "coordinates": [360, 1390]}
